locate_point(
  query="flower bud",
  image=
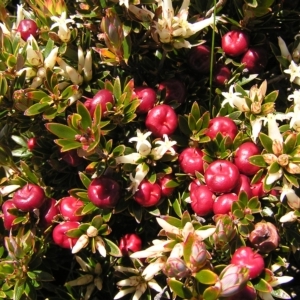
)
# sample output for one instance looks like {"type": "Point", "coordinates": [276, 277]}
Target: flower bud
{"type": "Point", "coordinates": [69, 72]}
{"type": "Point", "coordinates": [176, 267]}
{"type": "Point", "coordinates": [264, 237]}
{"type": "Point", "coordinates": [256, 107]}
{"type": "Point", "coordinates": [30, 72]}
{"type": "Point", "coordinates": [284, 49]}
{"type": "Point", "coordinates": [50, 60]}
{"type": "Point", "coordinates": [92, 231]}
{"type": "Point", "coordinates": [277, 147]}
{"type": "Point", "coordinates": [289, 217]}
{"type": "Point", "coordinates": [269, 158]}
{"type": "Point", "coordinates": [283, 160]}
{"type": "Point", "coordinates": [100, 245]}
{"type": "Point", "coordinates": [82, 242]}
{"type": "Point", "coordinates": [87, 68]}
{"type": "Point", "coordinates": [225, 231]}
{"type": "Point", "coordinates": [293, 168]}
{"type": "Point", "coordinates": [199, 256]}
{"type": "Point", "coordinates": [232, 279]}
{"type": "Point", "coordinates": [34, 57]}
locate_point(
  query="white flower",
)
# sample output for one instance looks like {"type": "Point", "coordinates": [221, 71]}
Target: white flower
{"type": "Point", "coordinates": [273, 129]}
{"type": "Point", "coordinates": [175, 29]}
{"type": "Point", "coordinates": [64, 32]}
{"type": "Point", "coordinates": [50, 60]}
{"type": "Point", "coordinates": [143, 146]}
{"type": "Point", "coordinates": [273, 177]}
{"type": "Point", "coordinates": [288, 217]}
{"type": "Point", "coordinates": [165, 146]}
{"type": "Point", "coordinates": [284, 49]}
{"type": "Point", "coordinates": [140, 174]}
{"type": "Point", "coordinates": [69, 72]}
{"type": "Point", "coordinates": [125, 2]}
{"type": "Point", "coordinates": [295, 118]}
{"type": "Point", "coordinates": [142, 14]}
{"type": "Point", "coordinates": [256, 127]}
{"type": "Point", "coordinates": [294, 71]}
{"type": "Point", "coordinates": [233, 99]}
{"type": "Point", "coordinates": [295, 96]}
{"type": "Point", "coordinates": [128, 159]}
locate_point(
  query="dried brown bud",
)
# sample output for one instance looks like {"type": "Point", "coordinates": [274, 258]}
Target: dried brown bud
{"type": "Point", "coordinates": [256, 107]}
{"type": "Point", "coordinates": [264, 237]}
{"type": "Point", "coordinates": [277, 147]}
{"type": "Point", "coordinates": [269, 158]}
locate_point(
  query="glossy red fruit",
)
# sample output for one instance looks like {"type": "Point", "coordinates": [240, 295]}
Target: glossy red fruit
{"type": "Point", "coordinates": [59, 234]}
{"type": "Point", "coordinates": [161, 120]}
{"type": "Point", "coordinates": [147, 98]}
{"type": "Point", "coordinates": [148, 194]}
{"type": "Point", "coordinates": [245, 256]}
{"type": "Point", "coordinates": [222, 74]}
{"type": "Point", "coordinates": [29, 197]}
{"type": "Point", "coordinates": [235, 42]}
{"type": "Point", "coordinates": [195, 183]}
{"type": "Point", "coordinates": [163, 181]}
{"type": "Point", "coordinates": [68, 207]}
{"type": "Point", "coordinates": [71, 158]}
{"type": "Point", "coordinates": [101, 98]}
{"type": "Point", "coordinates": [26, 28]}
{"type": "Point", "coordinates": [199, 59]}
{"type": "Point", "coordinates": [255, 59]}
{"type": "Point", "coordinates": [8, 217]}
{"type": "Point", "coordinates": [130, 243]}
{"type": "Point", "coordinates": [32, 143]}
{"type": "Point", "coordinates": [223, 125]}
{"type": "Point", "coordinates": [242, 155]}
{"type": "Point", "coordinates": [104, 192]}
{"type": "Point", "coordinates": [244, 184]}
{"type": "Point", "coordinates": [175, 90]}
{"type": "Point", "coordinates": [202, 200]}
{"type": "Point", "coordinates": [191, 160]}
{"type": "Point", "coordinates": [48, 211]}
{"type": "Point", "coordinates": [257, 189]}
{"type": "Point", "coordinates": [222, 204]}
{"type": "Point", "coordinates": [221, 176]}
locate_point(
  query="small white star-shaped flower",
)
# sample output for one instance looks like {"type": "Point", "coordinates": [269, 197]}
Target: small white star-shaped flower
{"type": "Point", "coordinates": [294, 71]}
{"type": "Point", "coordinates": [164, 146]}
{"type": "Point", "coordinates": [143, 146]}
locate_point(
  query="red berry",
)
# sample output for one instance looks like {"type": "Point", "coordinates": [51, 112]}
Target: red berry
{"type": "Point", "coordinates": [244, 184]}
{"type": "Point", "coordinates": [48, 211]}
{"type": "Point", "coordinates": [130, 243]}
{"type": "Point", "coordinates": [175, 90]}
{"type": "Point", "coordinates": [29, 197]}
{"type": "Point", "coordinates": [8, 217]}
{"type": "Point", "coordinates": [191, 160]}
{"type": "Point", "coordinates": [161, 120]}
{"type": "Point", "coordinates": [68, 207]}
{"type": "Point", "coordinates": [235, 42]}
{"type": "Point", "coordinates": [32, 143]}
{"type": "Point", "coordinates": [202, 199]}
{"type": "Point", "coordinates": [245, 256]}
{"type": "Point", "coordinates": [257, 189]}
{"type": "Point", "coordinates": [147, 98]}
{"type": "Point", "coordinates": [199, 59]}
{"type": "Point", "coordinates": [148, 194]}
{"type": "Point", "coordinates": [242, 155]}
{"type": "Point", "coordinates": [26, 28]}
{"type": "Point", "coordinates": [255, 59]}
{"type": "Point", "coordinates": [104, 192]}
{"type": "Point", "coordinates": [163, 181]}
{"type": "Point", "coordinates": [222, 204]}
{"type": "Point", "coordinates": [223, 125]}
{"type": "Point", "coordinates": [222, 74]}
{"type": "Point", "coordinates": [59, 234]}
{"type": "Point", "coordinates": [71, 158]}
{"type": "Point", "coordinates": [221, 176]}
{"type": "Point", "coordinates": [101, 98]}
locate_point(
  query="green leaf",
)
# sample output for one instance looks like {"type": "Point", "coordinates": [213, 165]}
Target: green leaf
{"type": "Point", "coordinates": [258, 160]}
{"type": "Point", "coordinates": [185, 218]}
{"type": "Point", "coordinates": [292, 179]}
{"type": "Point", "coordinates": [67, 145]}
{"type": "Point", "coordinates": [271, 97]}
{"type": "Point", "coordinates": [187, 247]}
{"type": "Point", "coordinates": [177, 208]}
{"type": "Point", "coordinates": [266, 141]}
{"type": "Point", "coordinates": [84, 179]}
{"type": "Point", "coordinates": [207, 277]}
{"type": "Point", "coordinates": [18, 290]}
{"type": "Point", "coordinates": [172, 221]}
{"type": "Point", "coordinates": [28, 173]}
{"type": "Point", "coordinates": [86, 120]}
{"type": "Point", "coordinates": [211, 293]}
{"type": "Point", "coordinates": [113, 249]}
{"type": "Point", "coordinates": [195, 111]}
{"type": "Point", "coordinates": [20, 141]}
{"type": "Point", "coordinates": [281, 294]}
{"type": "Point", "coordinates": [36, 109]}
{"type": "Point", "coordinates": [179, 288]}
{"type": "Point", "coordinates": [274, 168]}
{"type": "Point", "coordinates": [263, 286]}
{"type": "Point", "coordinates": [117, 91]}
{"type": "Point", "coordinates": [41, 276]}
{"type": "Point", "coordinates": [62, 131]}
{"type": "Point", "coordinates": [97, 221]}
